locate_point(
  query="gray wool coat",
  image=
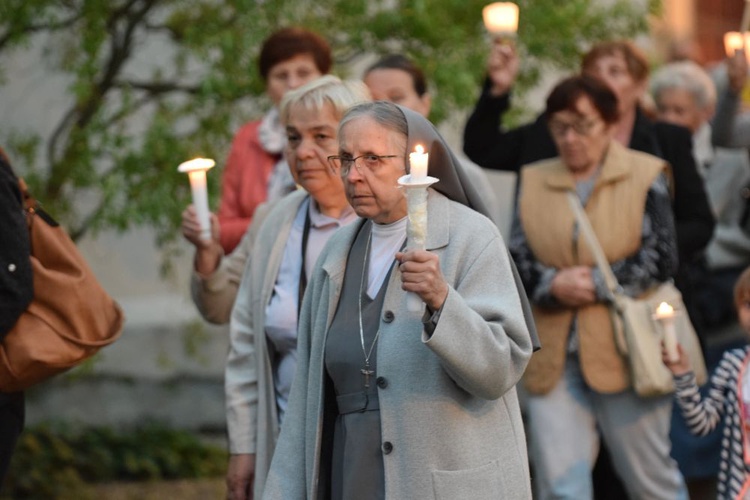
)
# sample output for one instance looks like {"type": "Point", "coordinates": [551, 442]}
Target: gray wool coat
{"type": "Point", "coordinates": [450, 418]}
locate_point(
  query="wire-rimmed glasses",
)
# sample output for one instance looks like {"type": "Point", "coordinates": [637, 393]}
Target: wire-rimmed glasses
{"type": "Point", "coordinates": [344, 162]}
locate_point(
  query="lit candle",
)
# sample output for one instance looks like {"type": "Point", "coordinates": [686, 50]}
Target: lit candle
{"type": "Point", "coordinates": [665, 313]}
{"type": "Point", "coordinates": [501, 18]}
{"type": "Point", "coordinates": [415, 183]}
{"type": "Point", "coordinates": [733, 41]}
{"type": "Point", "coordinates": [196, 170]}
{"type": "Point", "coordinates": [418, 164]}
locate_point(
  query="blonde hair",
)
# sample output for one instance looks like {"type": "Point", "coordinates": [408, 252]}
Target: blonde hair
{"type": "Point", "coordinates": [742, 288]}
{"type": "Point", "coordinates": [342, 95]}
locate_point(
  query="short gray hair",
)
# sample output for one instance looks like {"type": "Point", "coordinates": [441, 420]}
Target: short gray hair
{"type": "Point", "coordinates": [685, 75]}
{"type": "Point", "coordinates": [384, 113]}
{"type": "Point", "coordinates": [327, 89]}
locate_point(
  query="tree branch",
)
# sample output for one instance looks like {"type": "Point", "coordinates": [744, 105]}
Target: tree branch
{"type": "Point", "coordinates": [156, 88]}
{"type": "Point", "coordinates": [82, 114]}
{"type": "Point", "coordinates": [17, 31]}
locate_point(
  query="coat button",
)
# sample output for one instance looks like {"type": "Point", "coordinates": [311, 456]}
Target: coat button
{"type": "Point", "coordinates": [388, 316]}
{"type": "Point", "coordinates": [387, 447]}
{"type": "Point", "coordinates": [11, 267]}
{"type": "Point", "coordinates": [382, 382]}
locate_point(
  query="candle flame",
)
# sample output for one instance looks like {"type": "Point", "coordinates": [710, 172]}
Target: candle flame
{"type": "Point", "coordinates": [419, 149]}
{"type": "Point", "coordinates": [501, 17]}
{"type": "Point", "coordinates": [734, 40]}
{"type": "Point", "coordinates": [664, 309]}
{"type": "Point", "coordinates": [196, 164]}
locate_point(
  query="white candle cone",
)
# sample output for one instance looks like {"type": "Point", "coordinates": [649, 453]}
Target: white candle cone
{"type": "Point", "coordinates": [416, 232]}
{"type": "Point", "coordinates": [196, 170]}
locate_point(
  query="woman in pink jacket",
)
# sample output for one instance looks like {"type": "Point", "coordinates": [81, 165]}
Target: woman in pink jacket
{"type": "Point", "coordinates": [255, 170]}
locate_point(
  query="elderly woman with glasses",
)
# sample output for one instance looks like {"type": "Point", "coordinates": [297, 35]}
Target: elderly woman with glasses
{"type": "Point", "coordinates": [578, 384]}
{"type": "Point", "coordinates": [284, 242]}
{"type": "Point", "coordinates": [389, 403]}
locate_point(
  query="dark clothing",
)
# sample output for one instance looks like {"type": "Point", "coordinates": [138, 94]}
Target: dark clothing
{"type": "Point", "coordinates": [11, 425]}
{"type": "Point", "coordinates": [357, 463]}
{"type": "Point", "coordinates": [490, 147]}
{"type": "Point", "coordinates": [16, 292]}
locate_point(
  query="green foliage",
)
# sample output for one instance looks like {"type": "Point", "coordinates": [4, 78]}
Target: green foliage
{"type": "Point", "coordinates": [152, 83]}
{"type": "Point", "coordinates": [54, 461]}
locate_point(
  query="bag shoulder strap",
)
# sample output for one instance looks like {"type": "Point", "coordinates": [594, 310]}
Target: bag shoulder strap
{"type": "Point", "coordinates": [584, 225]}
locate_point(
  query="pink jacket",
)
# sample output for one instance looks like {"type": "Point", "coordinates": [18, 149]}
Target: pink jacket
{"type": "Point", "coordinates": [244, 184]}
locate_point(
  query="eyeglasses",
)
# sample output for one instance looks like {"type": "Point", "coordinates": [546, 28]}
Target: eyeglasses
{"type": "Point", "coordinates": [344, 163]}
{"type": "Point", "coordinates": [582, 127]}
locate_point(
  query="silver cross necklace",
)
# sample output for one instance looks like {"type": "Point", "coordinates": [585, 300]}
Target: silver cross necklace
{"type": "Point", "coordinates": [366, 372]}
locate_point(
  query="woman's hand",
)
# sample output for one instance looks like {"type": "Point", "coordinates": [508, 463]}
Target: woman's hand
{"type": "Point", "coordinates": [191, 228]}
{"type": "Point", "coordinates": [679, 367]}
{"type": "Point", "coordinates": [737, 71]}
{"type": "Point", "coordinates": [241, 476]}
{"type": "Point", "coordinates": [208, 253]}
{"type": "Point", "coordinates": [420, 273]}
{"type": "Point", "coordinates": [574, 286]}
{"type": "Point", "coordinates": [502, 67]}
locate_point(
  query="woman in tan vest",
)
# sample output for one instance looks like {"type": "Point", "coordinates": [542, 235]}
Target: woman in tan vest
{"type": "Point", "coordinates": [578, 384]}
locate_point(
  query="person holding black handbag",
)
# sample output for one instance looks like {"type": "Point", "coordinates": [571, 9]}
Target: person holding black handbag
{"type": "Point", "coordinates": [16, 292]}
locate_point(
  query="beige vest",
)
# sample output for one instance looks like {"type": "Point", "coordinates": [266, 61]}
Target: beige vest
{"type": "Point", "coordinates": [616, 210]}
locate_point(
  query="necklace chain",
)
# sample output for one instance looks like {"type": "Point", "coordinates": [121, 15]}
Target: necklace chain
{"type": "Point", "coordinates": [367, 353]}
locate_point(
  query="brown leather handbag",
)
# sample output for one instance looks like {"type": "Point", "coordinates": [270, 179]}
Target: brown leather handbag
{"type": "Point", "coordinates": [71, 316]}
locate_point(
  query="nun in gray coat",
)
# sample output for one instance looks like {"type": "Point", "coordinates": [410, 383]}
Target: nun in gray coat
{"type": "Point", "coordinates": [389, 403]}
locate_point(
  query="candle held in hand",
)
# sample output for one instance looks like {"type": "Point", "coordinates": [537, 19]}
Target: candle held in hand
{"type": "Point", "coordinates": [196, 170]}
{"type": "Point", "coordinates": [735, 40]}
{"type": "Point", "coordinates": [665, 314]}
{"type": "Point", "coordinates": [415, 183]}
{"type": "Point", "coordinates": [418, 161]}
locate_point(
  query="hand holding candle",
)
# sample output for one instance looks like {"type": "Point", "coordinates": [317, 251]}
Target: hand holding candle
{"type": "Point", "coordinates": [665, 314]}
{"type": "Point", "coordinates": [416, 184]}
{"type": "Point", "coordinates": [196, 170]}
{"type": "Point", "coordinates": [734, 41]}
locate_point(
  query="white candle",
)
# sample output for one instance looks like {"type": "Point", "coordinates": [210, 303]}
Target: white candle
{"type": "Point", "coordinates": [665, 313]}
{"type": "Point", "coordinates": [418, 164]}
{"type": "Point", "coordinates": [196, 170]}
{"type": "Point", "coordinates": [501, 18]}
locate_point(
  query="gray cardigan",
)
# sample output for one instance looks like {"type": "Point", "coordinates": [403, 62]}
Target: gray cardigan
{"type": "Point", "coordinates": [450, 418]}
{"type": "Point", "coordinates": [252, 418]}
